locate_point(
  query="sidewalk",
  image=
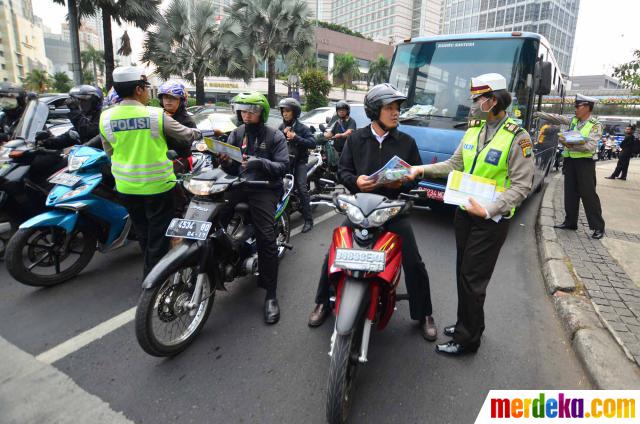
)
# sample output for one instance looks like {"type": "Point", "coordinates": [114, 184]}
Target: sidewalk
{"type": "Point", "coordinates": [596, 283]}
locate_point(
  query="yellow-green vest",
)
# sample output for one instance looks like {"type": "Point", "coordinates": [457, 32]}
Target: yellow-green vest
{"type": "Point", "coordinates": [139, 162]}
{"type": "Point", "coordinates": [585, 132]}
{"type": "Point", "coordinates": [492, 161]}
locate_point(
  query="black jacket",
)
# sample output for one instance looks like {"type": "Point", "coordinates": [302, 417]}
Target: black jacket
{"type": "Point", "coordinates": [627, 146]}
{"type": "Point", "coordinates": [363, 155]}
{"type": "Point", "coordinates": [269, 146]}
{"type": "Point", "coordinates": [340, 127]}
{"type": "Point", "coordinates": [87, 127]}
{"type": "Point", "coordinates": [303, 141]}
{"type": "Point", "coordinates": [185, 119]}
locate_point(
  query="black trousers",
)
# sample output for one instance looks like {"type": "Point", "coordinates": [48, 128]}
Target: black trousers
{"type": "Point", "coordinates": [300, 177]}
{"type": "Point", "coordinates": [478, 244]}
{"type": "Point", "coordinates": [415, 273]}
{"type": "Point", "coordinates": [622, 167]}
{"type": "Point", "coordinates": [151, 215]}
{"type": "Point", "coordinates": [263, 205]}
{"type": "Point", "coordinates": [580, 183]}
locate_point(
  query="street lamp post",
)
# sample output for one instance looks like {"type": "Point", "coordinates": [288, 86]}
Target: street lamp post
{"type": "Point", "coordinates": [75, 41]}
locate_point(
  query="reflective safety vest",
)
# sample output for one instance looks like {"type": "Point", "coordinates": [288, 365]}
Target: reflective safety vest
{"type": "Point", "coordinates": [139, 162]}
{"type": "Point", "coordinates": [492, 161]}
{"type": "Point", "coordinates": [585, 131]}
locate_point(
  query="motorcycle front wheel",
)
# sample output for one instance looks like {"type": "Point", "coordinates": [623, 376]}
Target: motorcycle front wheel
{"type": "Point", "coordinates": [46, 256]}
{"type": "Point", "coordinates": [164, 324]}
{"type": "Point", "coordinates": [342, 374]}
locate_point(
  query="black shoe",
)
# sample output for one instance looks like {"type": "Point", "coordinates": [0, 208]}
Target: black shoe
{"type": "Point", "coordinates": [308, 225]}
{"type": "Point", "coordinates": [611, 178]}
{"type": "Point", "coordinates": [448, 331]}
{"type": "Point", "coordinates": [318, 315]}
{"type": "Point", "coordinates": [271, 311]}
{"type": "Point", "coordinates": [597, 234]}
{"type": "Point", "coordinates": [623, 178]}
{"type": "Point", "coordinates": [565, 226]}
{"type": "Point", "coordinates": [453, 348]}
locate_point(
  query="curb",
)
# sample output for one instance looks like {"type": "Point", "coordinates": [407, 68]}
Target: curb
{"type": "Point", "coordinates": [607, 368]}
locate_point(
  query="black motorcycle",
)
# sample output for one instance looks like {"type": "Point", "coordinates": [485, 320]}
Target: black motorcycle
{"type": "Point", "coordinates": [179, 291]}
{"type": "Point", "coordinates": [323, 179]}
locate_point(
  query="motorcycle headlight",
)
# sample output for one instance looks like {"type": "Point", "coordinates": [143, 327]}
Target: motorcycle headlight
{"type": "Point", "coordinates": [75, 162]}
{"type": "Point", "coordinates": [205, 187]}
{"type": "Point", "coordinates": [379, 217]}
{"type": "Point", "coordinates": [73, 192]}
{"type": "Point", "coordinates": [353, 212]}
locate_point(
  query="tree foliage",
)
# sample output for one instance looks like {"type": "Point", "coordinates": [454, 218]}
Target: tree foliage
{"type": "Point", "coordinates": [342, 29]}
{"type": "Point", "coordinates": [316, 88]}
{"type": "Point", "coordinates": [629, 73]}
{"type": "Point", "coordinates": [37, 80]}
{"type": "Point", "coordinates": [193, 47]}
{"type": "Point", "coordinates": [60, 82]}
{"type": "Point", "coordinates": [95, 59]}
{"type": "Point", "coordinates": [345, 70]}
{"type": "Point", "coordinates": [378, 71]}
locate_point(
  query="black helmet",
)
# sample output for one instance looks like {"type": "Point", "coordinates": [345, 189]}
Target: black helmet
{"type": "Point", "coordinates": [14, 91]}
{"type": "Point", "coordinates": [291, 103]}
{"type": "Point", "coordinates": [381, 95]}
{"type": "Point", "coordinates": [84, 92]}
{"type": "Point", "coordinates": [343, 105]}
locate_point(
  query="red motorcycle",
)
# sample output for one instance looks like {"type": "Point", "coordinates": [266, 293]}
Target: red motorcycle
{"type": "Point", "coordinates": [365, 264]}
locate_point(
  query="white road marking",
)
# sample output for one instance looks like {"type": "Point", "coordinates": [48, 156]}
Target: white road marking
{"type": "Point", "coordinates": [99, 331]}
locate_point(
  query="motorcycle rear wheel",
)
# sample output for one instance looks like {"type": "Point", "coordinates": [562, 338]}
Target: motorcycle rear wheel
{"type": "Point", "coordinates": [165, 304]}
{"type": "Point", "coordinates": [342, 374]}
{"type": "Point", "coordinates": [33, 249]}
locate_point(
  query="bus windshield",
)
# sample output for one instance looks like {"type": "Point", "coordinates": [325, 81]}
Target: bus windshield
{"type": "Point", "coordinates": [436, 75]}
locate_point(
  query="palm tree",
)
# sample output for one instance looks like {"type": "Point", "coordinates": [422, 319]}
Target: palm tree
{"type": "Point", "coordinates": [60, 82]}
{"type": "Point", "coordinates": [273, 29]}
{"type": "Point", "coordinates": [188, 43]}
{"type": "Point", "coordinates": [345, 70]}
{"type": "Point", "coordinates": [93, 57]}
{"type": "Point", "coordinates": [141, 13]}
{"type": "Point", "coordinates": [378, 71]}
{"type": "Point", "coordinates": [37, 80]}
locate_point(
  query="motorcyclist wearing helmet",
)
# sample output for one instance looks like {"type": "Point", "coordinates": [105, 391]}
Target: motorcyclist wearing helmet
{"type": "Point", "coordinates": [343, 127]}
{"type": "Point", "coordinates": [266, 158]}
{"type": "Point", "coordinates": [13, 100]}
{"type": "Point", "coordinates": [367, 150]}
{"type": "Point", "coordinates": [85, 105]}
{"type": "Point", "coordinates": [173, 99]}
{"type": "Point", "coordinates": [112, 98]}
{"type": "Point", "coordinates": [300, 140]}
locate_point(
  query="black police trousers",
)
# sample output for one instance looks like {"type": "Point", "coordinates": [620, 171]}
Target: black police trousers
{"type": "Point", "coordinates": [262, 208]}
{"type": "Point", "coordinates": [300, 181]}
{"type": "Point", "coordinates": [478, 244]}
{"type": "Point", "coordinates": [151, 215]}
{"type": "Point", "coordinates": [415, 273]}
{"type": "Point", "coordinates": [580, 183]}
{"type": "Point", "coordinates": [622, 167]}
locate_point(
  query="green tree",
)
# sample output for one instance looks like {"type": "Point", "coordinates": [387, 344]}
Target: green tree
{"type": "Point", "coordinates": [194, 47]}
{"type": "Point", "coordinates": [37, 80]}
{"type": "Point", "coordinates": [629, 73]}
{"type": "Point", "coordinates": [140, 13]}
{"type": "Point", "coordinates": [345, 70]}
{"type": "Point", "coordinates": [60, 82]}
{"type": "Point", "coordinates": [92, 57]}
{"type": "Point", "coordinates": [272, 29]}
{"type": "Point", "coordinates": [316, 88]}
{"type": "Point", "coordinates": [342, 29]}
{"type": "Point", "coordinates": [88, 77]}
{"type": "Point", "coordinates": [378, 71]}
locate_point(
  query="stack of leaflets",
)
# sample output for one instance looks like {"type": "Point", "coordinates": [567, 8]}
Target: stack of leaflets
{"type": "Point", "coordinates": [461, 186]}
{"type": "Point", "coordinates": [393, 170]}
{"type": "Point", "coordinates": [573, 137]}
{"type": "Point", "coordinates": [217, 146]}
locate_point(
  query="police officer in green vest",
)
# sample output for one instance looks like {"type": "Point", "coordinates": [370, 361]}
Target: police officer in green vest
{"type": "Point", "coordinates": [497, 148]}
{"type": "Point", "coordinates": [135, 137]}
{"type": "Point", "coordinates": [579, 167]}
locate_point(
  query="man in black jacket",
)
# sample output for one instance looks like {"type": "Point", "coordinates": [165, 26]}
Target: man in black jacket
{"type": "Point", "coordinates": [366, 151]}
{"type": "Point", "coordinates": [627, 147]}
{"type": "Point", "coordinates": [266, 159]}
{"type": "Point", "coordinates": [13, 101]}
{"type": "Point", "coordinates": [300, 140]}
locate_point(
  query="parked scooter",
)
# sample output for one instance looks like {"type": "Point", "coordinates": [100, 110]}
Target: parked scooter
{"type": "Point", "coordinates": [365, 263]}
{"type": "Point", "coordinates": [180, 290]}
{"type": "Point", "coordinates": [323, 179]}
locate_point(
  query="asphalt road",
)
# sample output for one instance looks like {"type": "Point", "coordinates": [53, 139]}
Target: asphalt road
{"type": "Point", "coordinates": [241, 371]}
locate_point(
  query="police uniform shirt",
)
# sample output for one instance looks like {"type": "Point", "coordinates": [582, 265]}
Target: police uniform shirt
{"type": "Point", "coordinates": [590, 144]}
{"type": "Point", "coordinates": [521, 168]}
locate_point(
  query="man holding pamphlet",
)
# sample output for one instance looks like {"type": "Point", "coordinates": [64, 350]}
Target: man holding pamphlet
{"type": "Point", "coordinates": [490, 174]}
{"type": "Point", "coordinates": [579, 169]}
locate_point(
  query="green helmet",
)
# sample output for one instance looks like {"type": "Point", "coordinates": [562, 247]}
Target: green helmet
{"type": "Point", "coordinates": [251, 102]}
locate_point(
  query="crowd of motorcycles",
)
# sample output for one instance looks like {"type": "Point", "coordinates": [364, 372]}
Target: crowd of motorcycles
{"type": "Point", "coordinates": [51, 230]}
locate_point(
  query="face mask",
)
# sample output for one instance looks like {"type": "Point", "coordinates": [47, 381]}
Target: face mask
{"type": "Point", "coordinates": [477, 110]}
{"type": "Point", "coordinates": [8, 103]}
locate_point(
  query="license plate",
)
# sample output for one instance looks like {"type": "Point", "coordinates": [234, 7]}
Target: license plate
{"type": "Point", "coordinates": [65, 179]}
{"type": "Point", "coordinates": [435, 194]}
{"type": "Point", "coordinates": [360, 260]}
{"type": "Point", "coordinates": [188, 228]}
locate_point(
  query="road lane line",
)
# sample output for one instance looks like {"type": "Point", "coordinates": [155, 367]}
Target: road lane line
{"type": "Point", "coordinates": [99, 331]}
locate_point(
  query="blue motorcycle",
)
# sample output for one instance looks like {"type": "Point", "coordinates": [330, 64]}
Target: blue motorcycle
{"type": "Point", "coordinates": [85, 215]}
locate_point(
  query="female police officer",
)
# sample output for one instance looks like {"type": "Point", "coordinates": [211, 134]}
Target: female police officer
{"type": "Point", "coordinates": [494, 147]}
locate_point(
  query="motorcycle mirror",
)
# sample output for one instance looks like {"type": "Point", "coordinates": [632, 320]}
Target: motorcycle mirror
{"type": "Point", "coordinates": [323, 128]}
{"type": "Point", "coordinates": [327, 119]}
{"type": "Point", "coordinates": [172, 155]}
{"type": "Point", "coordinates": [312, 129]}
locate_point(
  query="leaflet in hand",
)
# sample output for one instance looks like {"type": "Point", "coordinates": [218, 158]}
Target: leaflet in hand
{"type": "Point", "coordinates": [393, 170]}
{"type": "Point", "coordinates": [461, 186]}
{"type": "Point", "coordinates": [219, 147]}
{"type": "Point", "coordinates": [573, 137]}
